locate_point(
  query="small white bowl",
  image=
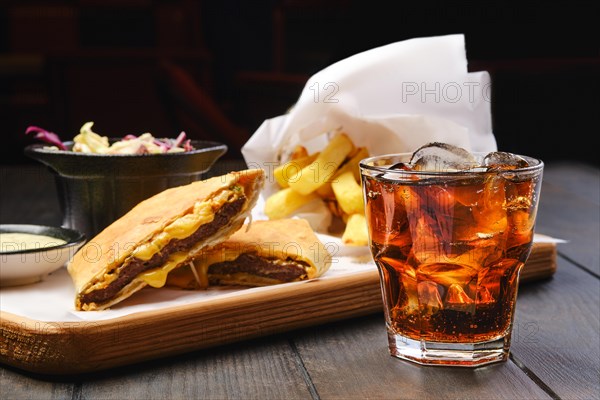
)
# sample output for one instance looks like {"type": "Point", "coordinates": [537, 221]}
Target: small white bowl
{"type": "Point", "coordinates": [23, 267]}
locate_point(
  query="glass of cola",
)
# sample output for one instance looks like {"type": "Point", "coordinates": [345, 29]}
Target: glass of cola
{"type": "Point", "coordinates": [450, 231]}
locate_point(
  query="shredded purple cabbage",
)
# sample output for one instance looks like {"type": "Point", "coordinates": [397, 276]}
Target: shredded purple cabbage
{"type": "Point", "coordinates": [45, 136]}
{"type": "Point", "coordinates": [180, 139]}
{"type": "Point", "coordinates": [165, 144]}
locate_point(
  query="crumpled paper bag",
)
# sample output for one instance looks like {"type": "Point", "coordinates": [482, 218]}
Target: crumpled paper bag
{"type": "Point", "coordinates": [390, 99]}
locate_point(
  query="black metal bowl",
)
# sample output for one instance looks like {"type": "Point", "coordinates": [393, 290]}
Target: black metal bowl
{"type": "Point", "coordinates": [96, 189]}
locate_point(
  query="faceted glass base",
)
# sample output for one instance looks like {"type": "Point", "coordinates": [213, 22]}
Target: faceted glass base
{"type": "Point", "coordinates": [444, 354]}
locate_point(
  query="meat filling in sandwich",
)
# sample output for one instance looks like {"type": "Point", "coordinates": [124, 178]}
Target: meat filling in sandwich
{"type": "Point", "coordinates": [166, 257]}
{"type": "Point", "coordinates": [264, 253]}
{"type": "Point", "coordinates": [287, 270]}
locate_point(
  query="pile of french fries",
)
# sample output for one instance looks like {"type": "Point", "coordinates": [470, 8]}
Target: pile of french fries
{"type": "Point", "coordinates": [331, 175]}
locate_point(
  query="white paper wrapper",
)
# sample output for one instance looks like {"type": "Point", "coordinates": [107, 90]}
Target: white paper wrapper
{"type": "Point", "coordinates": [390, 99]}
{"type": "Point", "coordinates": [52, 300]}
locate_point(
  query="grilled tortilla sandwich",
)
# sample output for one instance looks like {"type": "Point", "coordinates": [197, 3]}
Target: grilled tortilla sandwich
{"type": "Point", "coordinates": [159, 235]}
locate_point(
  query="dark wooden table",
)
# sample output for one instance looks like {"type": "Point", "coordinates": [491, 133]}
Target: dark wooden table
{"type": "Point", "coordinates": [555, 351]}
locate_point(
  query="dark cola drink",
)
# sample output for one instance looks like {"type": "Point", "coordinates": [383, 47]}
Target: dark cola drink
{"type": "Point", "coordinates": [449, 240]}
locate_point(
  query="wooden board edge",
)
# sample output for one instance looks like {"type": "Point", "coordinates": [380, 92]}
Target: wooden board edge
{"type": "Point", "coordinates": [59, 348]}
{"type": "Point", "coordinates": [541, 264]}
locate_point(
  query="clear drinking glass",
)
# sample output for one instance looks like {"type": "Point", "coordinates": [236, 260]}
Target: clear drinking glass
{"type": "Point", "coordinates": [449, 246]}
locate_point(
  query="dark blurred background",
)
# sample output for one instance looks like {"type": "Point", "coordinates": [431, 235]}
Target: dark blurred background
{"type": "Point", "coordinates": [217, 69]}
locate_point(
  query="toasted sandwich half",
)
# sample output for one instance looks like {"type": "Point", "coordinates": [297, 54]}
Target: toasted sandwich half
{"type": "Point", "coordinates": [263, 253]}
{"type": "Point", "coordinates": [159, 235]}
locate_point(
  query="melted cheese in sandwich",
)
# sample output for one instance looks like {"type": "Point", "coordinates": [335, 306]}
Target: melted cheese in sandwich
{"type": "Point", "coordinates": [179, 229]}
{"type": "Point", "coordinates": [158, 277]}
{"type": "Point", "coordinates": [203, 213]}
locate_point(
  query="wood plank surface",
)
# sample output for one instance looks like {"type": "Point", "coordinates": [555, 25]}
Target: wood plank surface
{"type": "Point", "coordinates": [582, 180]}
{"type": "Point", "coordinates": [258, 369]}
{"type": "Point", "coordinates": [564, 214]}
{"type": "Point", "coordinates": [265, 368]}
{"type": "Point", "coordinates": [557, 322]}
{"type": "Point", "coordinates": [351, 360]}
{"type": "Point", "coordinates": [555, 345]}
{"type": "Point", "coordinates": [14, 384]}
{"type": "Point", "coordinates": [556, 333]}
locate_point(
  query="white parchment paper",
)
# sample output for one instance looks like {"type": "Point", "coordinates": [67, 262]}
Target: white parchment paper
{"type": "Point", "coordinates": [390, 99]}
{"type": "Point", "coordinates": [52, 299]}
{"type": "Point", "coordinates": [393, 98]}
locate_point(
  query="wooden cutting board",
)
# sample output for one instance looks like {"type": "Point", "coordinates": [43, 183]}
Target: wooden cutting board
{"type": "Point", "coordinates": [86, 346]}
{"type": "Point", "coordinates": [541, 263]}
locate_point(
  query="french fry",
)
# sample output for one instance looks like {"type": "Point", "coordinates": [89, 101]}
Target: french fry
{"type": "Point", "coordinates": [324, 166]}
{"type": "Point", "coordinates": [356, 233]}
{"type": "Point", "coordinates": [348, 193]}
{"type": "Point", "coordinates": [284, 202]}
{"type": "Point", "coordinates": [352, 164]}
{"type": "Point", "coordinates": [290, 169]}
{"type": "Point", "coordinates": [325, 191]}
{"type": "Point", "coordinates": [299, 152]}
{"type": "Point", "coordinates": [334, 206]}
{"type": "Point", "coordinates": [333, 176]}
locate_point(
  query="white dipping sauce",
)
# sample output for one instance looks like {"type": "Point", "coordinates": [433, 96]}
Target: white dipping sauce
{"type": "Point", "coordinates": [16, 241]}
